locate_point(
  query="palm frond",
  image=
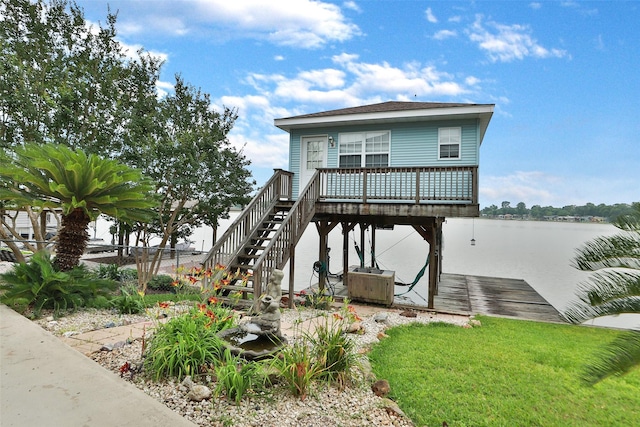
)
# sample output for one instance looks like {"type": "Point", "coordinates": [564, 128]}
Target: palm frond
{"type": "Point", "coordinates": [608, 293]}
{"type": "Point", "coordinates": [617, 251]}
{"type": "Point", "coordinates": [617, 358]}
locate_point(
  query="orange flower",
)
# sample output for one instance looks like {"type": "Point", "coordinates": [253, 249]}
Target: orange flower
{"type": "Point", "coordinates": [213, 300]}
{"type": "Point", "coordinates": [337, 316]}
{"type": "Point", "coordinates": [192, 279]}
{"type": "Point", "coordinates": [163, 304]}
{"type": "Point", "coordinates": [202, 307]}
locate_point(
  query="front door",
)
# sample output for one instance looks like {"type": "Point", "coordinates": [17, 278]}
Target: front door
{"type": "Point", "coordinates": [314, 156]}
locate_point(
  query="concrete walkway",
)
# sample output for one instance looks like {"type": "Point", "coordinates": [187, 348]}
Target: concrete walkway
{"type": "Point", "coordinates": [44, 382]}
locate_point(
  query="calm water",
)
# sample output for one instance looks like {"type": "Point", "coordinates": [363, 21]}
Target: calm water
{"type": "Point", "coordinates": [538, 252]}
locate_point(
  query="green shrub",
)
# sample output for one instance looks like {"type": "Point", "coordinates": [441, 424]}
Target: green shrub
{"type": "Point", "coordinates": [37, 285]}
{"type": "Point", "coordinates": [334, 350]}
{"type": "Point", "coordinates": [188, 344]}
{"type": "Point", "coordinates": [113, 272]}
{"type": "Point", "coordinates": [316, 299]}
{"type": "Point", "coordinates": [297, 367]}
{"type": "Point", "coordinates": [100, 302]}
{"type": "Point", "coordinates": [161, 282]}
{"type": "Point", "coordinates": [236, 376]}
{"type": "Point", "coordinates": [129, 301]}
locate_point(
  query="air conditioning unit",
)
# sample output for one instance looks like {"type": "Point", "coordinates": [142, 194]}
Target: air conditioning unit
{"type": "Point", "coordinates": [371, 285]}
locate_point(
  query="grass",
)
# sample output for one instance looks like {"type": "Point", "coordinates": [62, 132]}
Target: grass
{"type": "Point", "coordinates": [151, 300]}
{"type": "Point", "coordinates": [505, 373]}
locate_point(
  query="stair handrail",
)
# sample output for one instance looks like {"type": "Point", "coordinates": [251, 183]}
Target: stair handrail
{"type": "Point", "coordinates": [228, 246]}
{"type": "Point", "coordinates": [278, 251]}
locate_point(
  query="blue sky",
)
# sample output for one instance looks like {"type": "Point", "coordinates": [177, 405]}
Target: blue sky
{"type": "Point", "coordinates": [564, 77]}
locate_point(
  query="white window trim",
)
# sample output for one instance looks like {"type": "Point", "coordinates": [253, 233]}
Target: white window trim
{"type": "Point", "coordinates": [440, 143]}
{"type": "Point", "coordinates": [363, 153]}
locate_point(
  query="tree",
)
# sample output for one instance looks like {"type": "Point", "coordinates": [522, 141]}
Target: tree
{"type": "Point", "coordinates": [82, 186]}
{"type": "Point", "coordinates": [199, 174]}
{"type": "Point", "coordinates": [614, 289]}
{"type": "Point", "coordinates": [64, 82]}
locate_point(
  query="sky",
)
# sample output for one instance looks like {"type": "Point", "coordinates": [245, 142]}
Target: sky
{"type": "Point", "coordinates": [564, 77]}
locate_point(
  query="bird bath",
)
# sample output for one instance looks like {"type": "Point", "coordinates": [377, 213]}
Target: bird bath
{"type": "Point", "coordinates": [260, 337]}
{"type": "Point", "coordinates": [251, 345]}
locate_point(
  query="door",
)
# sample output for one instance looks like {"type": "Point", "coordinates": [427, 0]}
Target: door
{"type": "Point", "coordinates": [314, 156]}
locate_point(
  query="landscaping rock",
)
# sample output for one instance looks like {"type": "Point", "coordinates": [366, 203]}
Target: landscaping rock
{"type": "Point", "coordinates": [381, 317]}
{"type": "Point", "coordinates": [354, 328]}
{"type": "Point", "coordinates": [381, 388]}
{"type": "Point", "coordinates": [392, 407]}
{"type": "Point", "coordinates": [107, 347]}
{"type": "Point", "coordinates": [197, 392]}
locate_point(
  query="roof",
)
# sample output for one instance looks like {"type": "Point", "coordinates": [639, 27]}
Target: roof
{"type": "Point", "coordinates": [384, 107]}
{"type": "Point", "coordinates": [390, 112]}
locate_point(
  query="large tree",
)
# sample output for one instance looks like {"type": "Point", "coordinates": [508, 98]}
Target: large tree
{"type": "Point", "coordinates": [81, 186]}
{"type": "Point", "coordinates": [64, 81]}
{"type": "Point", "coordinates": [614, 289]}
{"type": "Point", "coordinates": [199, 174]}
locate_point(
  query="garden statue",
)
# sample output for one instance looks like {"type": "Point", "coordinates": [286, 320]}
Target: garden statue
{"type": "Point", "coordinates": [259, 336]}
{"type": "Point", "coordinates": [268, 316]}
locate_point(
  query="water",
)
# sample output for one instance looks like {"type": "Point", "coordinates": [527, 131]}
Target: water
{"type": "Point", "coordinates": [538, 252]}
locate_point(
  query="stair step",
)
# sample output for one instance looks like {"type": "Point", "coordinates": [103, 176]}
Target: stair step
{"type": "Point", "coordinates": [250, 256]}
{"type": "Point", "coordinates": [234, 288]}
{"type": "Point", "coordinates": [237, 303]}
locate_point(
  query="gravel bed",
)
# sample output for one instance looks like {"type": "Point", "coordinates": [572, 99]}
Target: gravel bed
{"type": "Point", "coordinates": [325, 406]}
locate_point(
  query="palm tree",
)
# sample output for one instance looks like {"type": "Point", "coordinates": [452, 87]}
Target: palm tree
{"type": "Point", "coordinates": [613, 289]}
{"type": "Point", "coordinates": [53, 176]}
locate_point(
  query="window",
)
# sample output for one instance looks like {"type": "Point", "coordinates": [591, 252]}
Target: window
{"type": "Point", "coordinates": [315, 155]}
{"type": "Point", "coordinates": [369, 149]}
{"type": "Point", "coordinates": [449, 143]}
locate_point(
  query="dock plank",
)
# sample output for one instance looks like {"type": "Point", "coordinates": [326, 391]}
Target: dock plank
{"type": "Point", "coordinates": [467, 294]}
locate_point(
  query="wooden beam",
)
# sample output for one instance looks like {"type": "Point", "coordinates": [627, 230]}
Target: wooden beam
{"type": "Point", "coordinates": [346, 228]}
{"type": "Point", "coordinates": [324, 228]}
{"type": "Point", "coordinates": [433, 269]}
{"type": "Point", "coordinates": [292, 263]}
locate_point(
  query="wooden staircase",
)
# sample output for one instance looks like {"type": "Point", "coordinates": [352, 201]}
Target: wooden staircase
{"type": "Point", "coordinates": [264, 235]}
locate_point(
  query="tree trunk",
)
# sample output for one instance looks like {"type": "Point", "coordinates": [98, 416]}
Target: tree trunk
{"type": "Point", "coordinates": [72, 240]}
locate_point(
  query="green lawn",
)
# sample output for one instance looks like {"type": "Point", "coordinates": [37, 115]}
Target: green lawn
{"type": "Point", "coordinates": [505, 373]}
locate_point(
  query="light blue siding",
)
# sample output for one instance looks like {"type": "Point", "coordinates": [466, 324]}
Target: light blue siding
{"type": "Point", "coordinates": [412, 144]}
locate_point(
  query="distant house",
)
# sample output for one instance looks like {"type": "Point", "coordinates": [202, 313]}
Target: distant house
{"type": "Point", "coordinates": [392, 163]}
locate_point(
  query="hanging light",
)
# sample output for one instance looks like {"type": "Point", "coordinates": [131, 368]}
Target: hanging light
{"type": "Point", "coordinates": [473, 232]}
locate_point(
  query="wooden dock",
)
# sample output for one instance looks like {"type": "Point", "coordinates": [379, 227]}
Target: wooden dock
{"type": "Point", "coordinates": [493, 296]}
{"type": "Point", "coordinates": [464, 294]}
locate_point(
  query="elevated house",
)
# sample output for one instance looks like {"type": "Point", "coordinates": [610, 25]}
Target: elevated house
{"type": "Point", "coordinates": [380, 165]}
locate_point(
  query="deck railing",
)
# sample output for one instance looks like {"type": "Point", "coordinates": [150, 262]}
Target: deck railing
{"type": "Point", "coordinates": [227, 247]}
{"type": "Point", "coordinates": [456, 184]}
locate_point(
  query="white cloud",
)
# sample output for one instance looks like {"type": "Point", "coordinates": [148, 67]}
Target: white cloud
{"type": "Point", "coordinates": [299, 23]}
{"type": "Point", "coordinates": [506, 43]}
{"type": "Point", "coordinates": [445, 34]}
{"type": "Point", "coordinates": [430, 16]}
{"type": "Point", "coordinates": [352, 5]}
{"type": "Point", "coordinates": [349, 82]}
{"type": "Point", "coordinates": [278, 58]}
{"type": "Point", "coordinates": [270, 151]}
{"type": "Point", "coordinates": [535, 5]}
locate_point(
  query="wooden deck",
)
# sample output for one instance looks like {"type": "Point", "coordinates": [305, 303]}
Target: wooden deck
{"type": "Point", "coordinates": [493, 296]}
